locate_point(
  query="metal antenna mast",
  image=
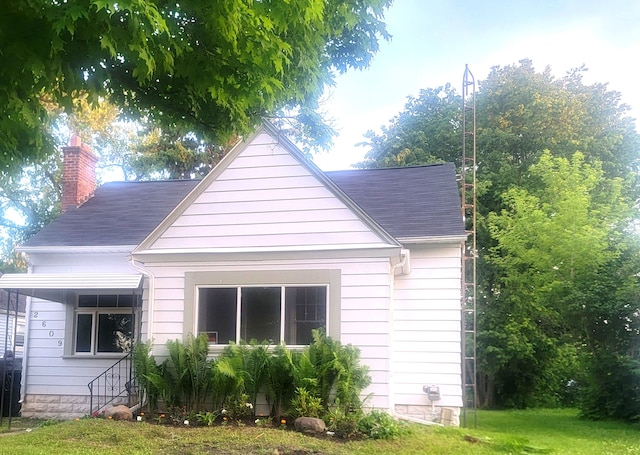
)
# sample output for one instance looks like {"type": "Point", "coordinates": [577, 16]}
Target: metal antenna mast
{"type": "Point", "coordinates": [469, 248]}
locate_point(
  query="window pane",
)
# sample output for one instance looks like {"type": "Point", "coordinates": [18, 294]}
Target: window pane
{"type": "Point", "coordinates": [261, 314]}
{"type": "Point", "coordinates": [86, 301]}
{"type": "Point", "coordinates": [109, 300]}
{"type": "Point", "coordinates": [83, 332]}
{"type": "Point", "coordinates": [125, 301]}
{"type": "Point", "coordinates": [114, 332]}
{"type": "Point", "coordinates": [305, 310]}
{"type": "Point", "coordinates": [217, 314]}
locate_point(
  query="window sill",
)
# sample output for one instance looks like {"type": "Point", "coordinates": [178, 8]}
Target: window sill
{"type": "Point", "coordinates": [217, 349]}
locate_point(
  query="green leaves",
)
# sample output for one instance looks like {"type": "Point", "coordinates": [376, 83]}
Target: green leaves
{"type": "Point", "coordinates": [215, 68]}
{"type": "Point", "coordinates": [557, 166]}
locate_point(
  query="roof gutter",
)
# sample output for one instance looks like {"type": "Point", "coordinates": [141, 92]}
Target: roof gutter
{"type": "Point", "coordinates": [433, 240]}
{"type": "Point", "coordinates": [76, 249]}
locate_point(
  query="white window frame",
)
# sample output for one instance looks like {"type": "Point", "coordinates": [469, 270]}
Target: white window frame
{"type": "Point", "coordinates": [283, 310]}
{"type": "Point", "coordinates": [264, 278]}
{"type": "Point", "coordinates": [77, 310]}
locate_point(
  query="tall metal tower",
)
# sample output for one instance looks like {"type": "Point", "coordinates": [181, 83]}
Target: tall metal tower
{"type": "Point", "coordinates": [469, 248]}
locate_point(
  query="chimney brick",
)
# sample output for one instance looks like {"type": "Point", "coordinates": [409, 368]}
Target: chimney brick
{"type": "Point", "coordinates": [78, 174]}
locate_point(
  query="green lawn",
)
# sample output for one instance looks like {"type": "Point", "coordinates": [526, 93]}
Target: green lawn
{"type": "Point", "coordinates": [498, 432]}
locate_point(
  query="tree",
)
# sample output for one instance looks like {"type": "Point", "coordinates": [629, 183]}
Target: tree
{"type": "Point", "coordinates": [137, 150]}
{"type": "Point", "coordinates": [552, 244]}
{"type": "Point", "coordinates": [427, 131]}
{"type": "Point", "coordinates": [23, 211]}
{"type": "Point", "coordinates": [128, 150]}
{"type": "Point", "coordinates": [213, 68]}
{"type": "Point", "coordinates": [529, 342]}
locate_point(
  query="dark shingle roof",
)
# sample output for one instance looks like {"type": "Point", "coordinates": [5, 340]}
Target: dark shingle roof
{"type": "Point", "coordinates": [420, 201]}
{"type": "Point", "coordinates": [120, 213]}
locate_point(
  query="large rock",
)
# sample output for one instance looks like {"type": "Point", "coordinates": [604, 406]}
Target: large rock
{"type": "Point", "coordinates": [309, 425]}
{"type": "Point", "coordinates": [120, 412]}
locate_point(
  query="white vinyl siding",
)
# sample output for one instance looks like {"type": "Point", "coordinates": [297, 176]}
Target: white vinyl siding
{"type": "Point", "coordinates": [364, 306]}
{"type": "Point", "coordinates": [49, 364]}
{"type": "Point", "coordinates": [266, 199]}
{"type": "Point", "coordinates": [426, 322]}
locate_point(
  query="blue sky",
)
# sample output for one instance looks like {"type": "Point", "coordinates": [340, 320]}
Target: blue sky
{"type": "Point", "coordinates": [433, 40]}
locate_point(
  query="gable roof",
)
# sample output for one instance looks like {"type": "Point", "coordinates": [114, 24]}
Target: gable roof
{"type": "Point", "coordinates": [120, 213]}
{"type": "Point", "coordinates": [411, 203]}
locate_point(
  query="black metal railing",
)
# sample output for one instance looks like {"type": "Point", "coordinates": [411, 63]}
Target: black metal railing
{"type": "Point", "coordinates": [116, 385]}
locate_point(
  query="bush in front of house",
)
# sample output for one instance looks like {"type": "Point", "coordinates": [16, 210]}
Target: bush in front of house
{"type": "Point", "coordinates": [324, 380]}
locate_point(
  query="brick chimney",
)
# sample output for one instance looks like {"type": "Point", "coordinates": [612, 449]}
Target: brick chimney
{"type": "Point", "coordinates": [78, 174]}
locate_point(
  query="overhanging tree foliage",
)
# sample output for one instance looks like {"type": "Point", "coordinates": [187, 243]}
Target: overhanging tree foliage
{"type": "Point", "coordinates": [196, 65]}
{"type": "Point", "coordinates": [548, 302]}
{"type": "Point", "coordinates": [195, 72]}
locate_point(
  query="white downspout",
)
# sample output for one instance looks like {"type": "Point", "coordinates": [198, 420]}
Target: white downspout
{"type": "Point", "coordinates": [405, 266]}
{"type": "Point", "coordinates": [151, 297]}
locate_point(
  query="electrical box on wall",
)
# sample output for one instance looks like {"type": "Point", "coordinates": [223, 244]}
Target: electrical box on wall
{"type": "Point", "coordinates": [432, 391]}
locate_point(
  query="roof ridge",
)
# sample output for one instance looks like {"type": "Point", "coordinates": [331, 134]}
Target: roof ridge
{"type": "Point", "coordinates": [152, 181]}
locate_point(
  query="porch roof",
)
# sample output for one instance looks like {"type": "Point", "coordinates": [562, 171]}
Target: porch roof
{"type": "Point", "coordinates": [54, 286]}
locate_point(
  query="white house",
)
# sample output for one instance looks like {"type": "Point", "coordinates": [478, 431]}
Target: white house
{"type": "Point", "coordinates": [375, 254]}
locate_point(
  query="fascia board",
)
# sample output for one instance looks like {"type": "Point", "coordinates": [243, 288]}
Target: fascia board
{"type": "Point", "coordinates": [197, 191]}
{"type": "Point", "coordinates": [432, 240]}
{"type": "Point", "coordinates": [253, 254]}
{"type": "Point", "coordinates": [76, 249]}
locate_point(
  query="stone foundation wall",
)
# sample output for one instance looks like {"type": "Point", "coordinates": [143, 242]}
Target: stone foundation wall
{"type": "Point", "coordinates": [63, 407]}
{"type": "Point", "coordinates": [448, 416]}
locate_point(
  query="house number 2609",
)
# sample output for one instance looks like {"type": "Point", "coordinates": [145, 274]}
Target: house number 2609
{"type": "Point", "coordinates": [44, 324]}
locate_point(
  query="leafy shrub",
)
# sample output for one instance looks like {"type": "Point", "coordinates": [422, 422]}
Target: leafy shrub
{"type": "Point", "coordinates": [380, 425]}
{"type": "Point", "coordinates": [207, 418]}
{"type": "Point", "coordinates": [187, 373]}
{"type": "Point", "coordinates": [613, 391]}
{"type": "Point", "coordinates": [325, 376]}
{"type": "Point", "coordinates": [280, 380]}
{"type": "Point", "coordinates": [305, 404]}
{"type": "Point", "coordinates": [150, 380]}
{"type": "Point", "coordinates": [343, 423]}
{"type": "Point", "coordinates": [238, 407]}
{"type": "Point", "coordinates": [339, 376]}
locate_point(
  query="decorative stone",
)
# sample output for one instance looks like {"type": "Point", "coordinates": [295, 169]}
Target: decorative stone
{"type": "Point", "coordinates": [120, 412]}
{"type": "Point", "coordinates": [309, 425]}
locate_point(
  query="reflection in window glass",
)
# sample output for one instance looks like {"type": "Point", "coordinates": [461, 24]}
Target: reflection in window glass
{"type": "Point", "coordinates": [305, 310]}
{"type": "Point", "coordinates": [217, 314]}
{"type": "Point", "coordinates": [83, 332]}
{"type": "Point", "coordinates": [104, 323]}
{"type": "Point", "coordinates": [87, 301]}
{"type": "Point", "coordinates": [261, 314]}
{"type": "Point", "coordinates": [114, 332]}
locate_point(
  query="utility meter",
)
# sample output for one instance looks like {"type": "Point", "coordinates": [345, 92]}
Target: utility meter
{"type": "Point", "coordinates": [432, 391]}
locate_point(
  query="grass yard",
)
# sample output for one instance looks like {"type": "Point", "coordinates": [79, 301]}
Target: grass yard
{"type": "Point", "coordinates": [498, 432]}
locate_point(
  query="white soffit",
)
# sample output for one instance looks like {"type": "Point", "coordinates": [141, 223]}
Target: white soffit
{"type": "Point", "coordinates": [52, 286]}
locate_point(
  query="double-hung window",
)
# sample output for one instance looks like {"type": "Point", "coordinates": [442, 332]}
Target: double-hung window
{"type": "Point", "coordinates": [263, 313]}
{"type": "Point", "coordinates": [104, 323]}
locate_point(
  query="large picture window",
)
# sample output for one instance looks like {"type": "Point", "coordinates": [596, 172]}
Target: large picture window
{"type": "Point", "coordinates": [263, 313]}
{"type": "Point", "coordinates": [104, 323]}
